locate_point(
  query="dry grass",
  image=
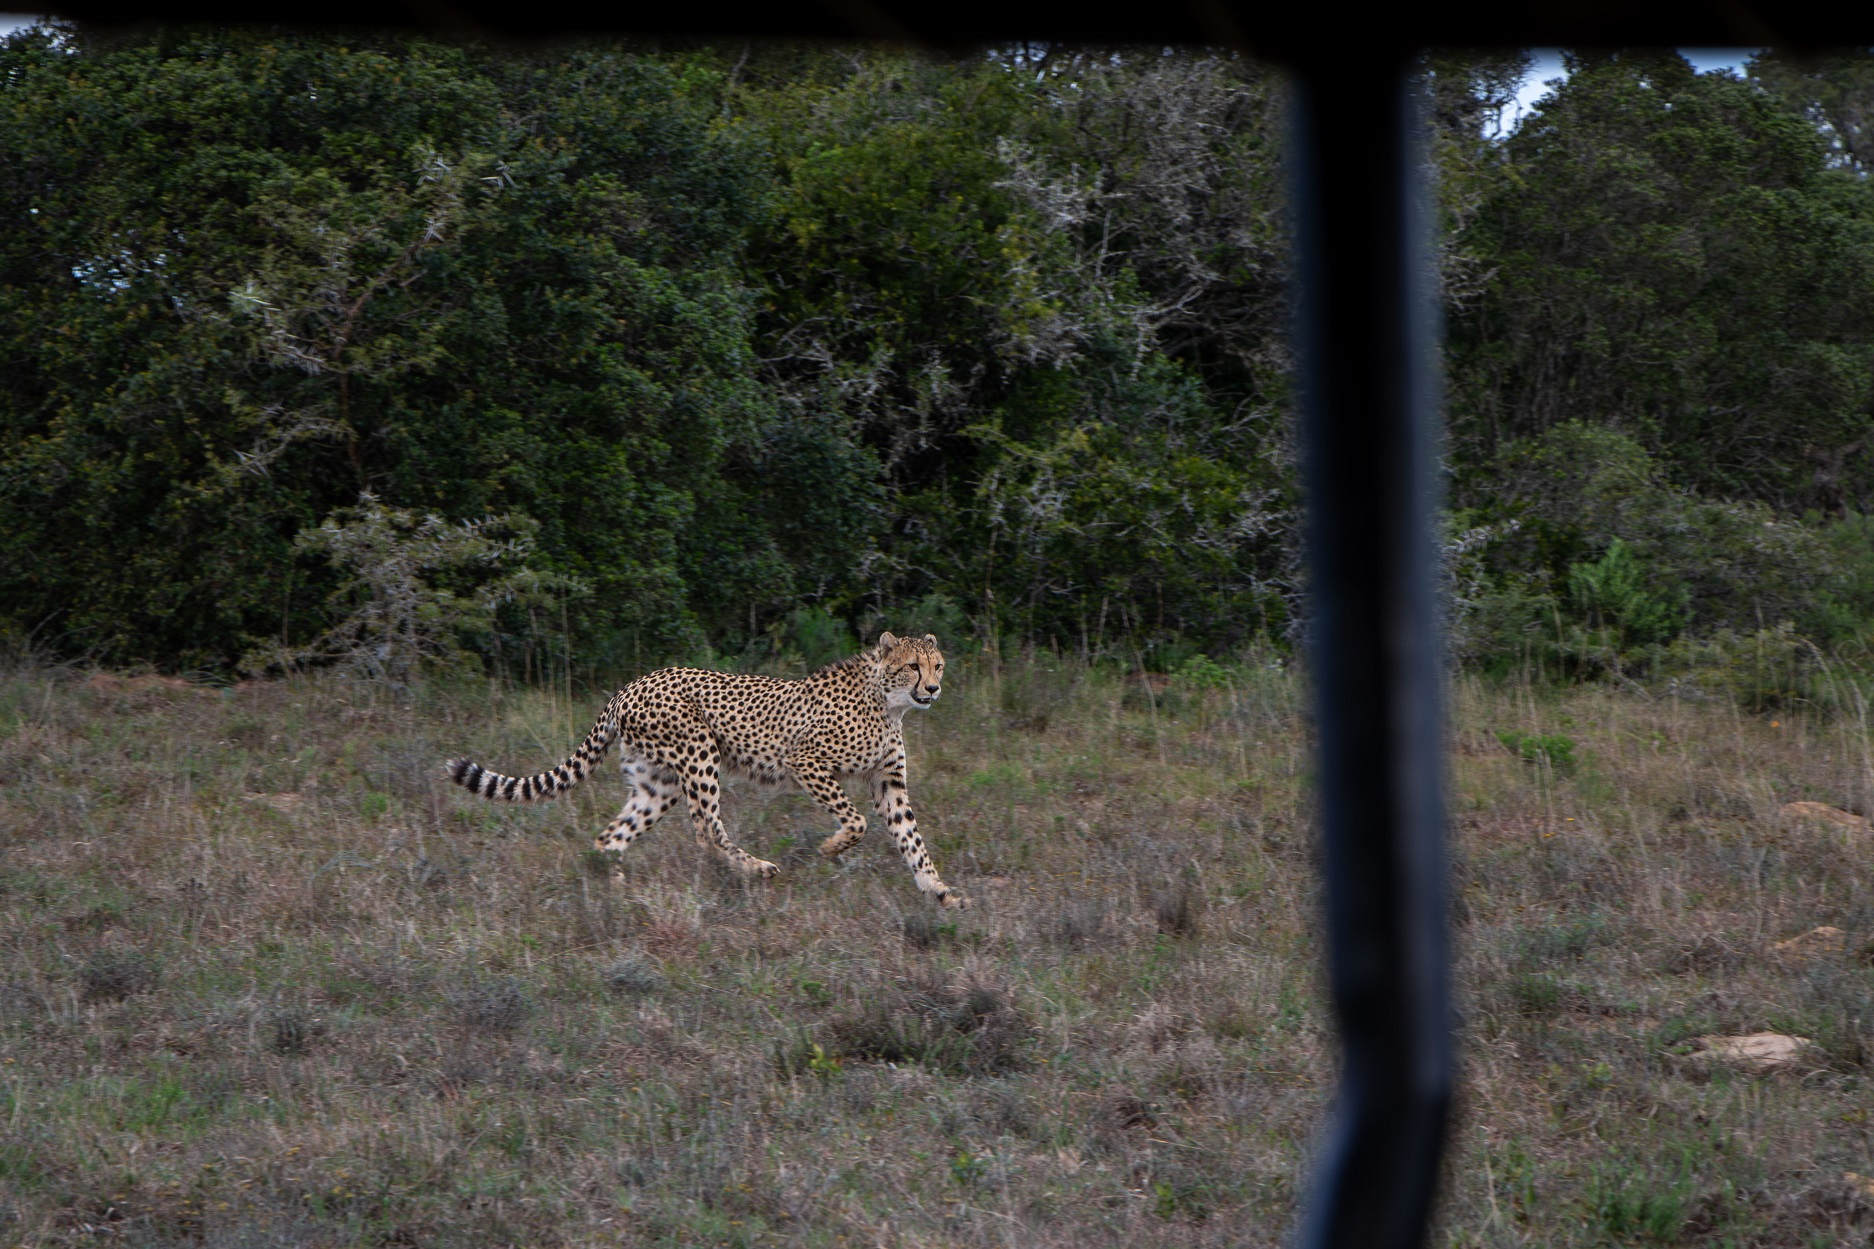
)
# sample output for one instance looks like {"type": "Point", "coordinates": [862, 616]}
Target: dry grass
{"type": "Point", "coordinates": [268, 980]}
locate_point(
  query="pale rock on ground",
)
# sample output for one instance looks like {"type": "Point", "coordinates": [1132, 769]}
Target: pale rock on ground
{"type": "Point", "coordinates": [1827, 939]}
{"type": "Point", "coordinates": [1758, 1051]}
{"type": "Point", "coordinates": [1824, 813]}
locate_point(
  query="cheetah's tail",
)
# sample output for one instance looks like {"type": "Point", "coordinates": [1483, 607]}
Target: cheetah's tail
{"type": "Point", "coordinates": [549, 784]}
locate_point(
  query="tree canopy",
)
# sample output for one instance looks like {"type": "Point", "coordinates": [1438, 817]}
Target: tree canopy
{"type": "Point", "coordinates": [998, 342]}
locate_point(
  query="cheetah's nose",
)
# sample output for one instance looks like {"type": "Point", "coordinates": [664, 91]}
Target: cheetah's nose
{"type": "Point", "coordinates": [930, 689]}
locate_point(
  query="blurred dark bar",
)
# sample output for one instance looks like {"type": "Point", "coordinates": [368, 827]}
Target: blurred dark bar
{"type": "Point", "coordinates": [1367, 320]}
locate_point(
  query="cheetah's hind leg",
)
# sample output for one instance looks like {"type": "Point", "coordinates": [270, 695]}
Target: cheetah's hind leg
{"type": "Point", "coordinates": [653, 792]}
{"type": "Point", "coordinates": [702, 786]}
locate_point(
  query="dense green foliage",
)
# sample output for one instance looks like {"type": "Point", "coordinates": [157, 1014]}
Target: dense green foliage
{"type": "Point", "coordinates": [247, 278]}
{"type": "Point", "coordinates": [777, 343]}
{"type": "Point", "coordinates": [1677, 261]}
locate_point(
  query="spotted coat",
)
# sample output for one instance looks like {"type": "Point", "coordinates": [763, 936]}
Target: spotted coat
{"type": "Point", "coordinates": [680, 729]}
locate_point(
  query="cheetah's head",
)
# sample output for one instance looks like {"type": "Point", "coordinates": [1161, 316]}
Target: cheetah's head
{"type": "Point", "coordinates": [913, 669]}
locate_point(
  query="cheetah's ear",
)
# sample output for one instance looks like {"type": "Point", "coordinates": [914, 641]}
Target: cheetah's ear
{"type": "Point", "coordinates": [886, 641]}
{"type": "Point", "coordinates": [931, 638]}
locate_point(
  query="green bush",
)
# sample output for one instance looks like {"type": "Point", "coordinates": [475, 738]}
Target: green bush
{"type": "Point", "coordinates": [1841, 609]}
{"type": "Point", "coordinates": [399, 612]}
{"type": "Point", "coordinates": [1761, 669]}
{"type": "Point", "coordinates": [818, 637]}
{"type": "Point", "coordinates": [1598, 562]}
{"type": "Point", "coordinates": [1201, 672]}
{"type": "Point", "coordinates": [1614, 593]}
{"type": "Point", "coordinates": [470, 282]}
{"type": "Point", "coordinates": [1553, 749]}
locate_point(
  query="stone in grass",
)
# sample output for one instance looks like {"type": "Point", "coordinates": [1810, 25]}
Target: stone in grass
{"type": "Point", "coordinates": [113, 975]}
{"type": "Point", "coordinates": [1821, 812]}
{"type": "Point", "coordinates": [293, 1032]}
{"type": "Point", "coordinates": [925, 931]}
{"type": "Point", "coordinates": [633, 977]}
{"type": "Point", "coordinates": [1827, 939]}
{"type": "Point", "coordinates": [1179, 909]}
{"type": "Point", "coordinates": [498, 1005]}
{"type": "Point", "coordinates": [1763, 1052]}
{"type": "Point", "coordinates": [19, 1000]}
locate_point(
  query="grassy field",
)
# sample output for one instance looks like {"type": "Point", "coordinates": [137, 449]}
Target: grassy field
{"type": "Point", "coordinates": [266, 980]}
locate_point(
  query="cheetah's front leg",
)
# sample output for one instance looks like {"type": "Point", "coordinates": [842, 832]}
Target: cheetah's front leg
{"type": "Point", "coordinates": [893, 799]}
{"type": "Point", "coordinates": [818, 779]}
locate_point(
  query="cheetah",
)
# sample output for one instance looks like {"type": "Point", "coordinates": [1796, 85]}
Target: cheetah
{"type": "Point", "coordinates": [682, 728]}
